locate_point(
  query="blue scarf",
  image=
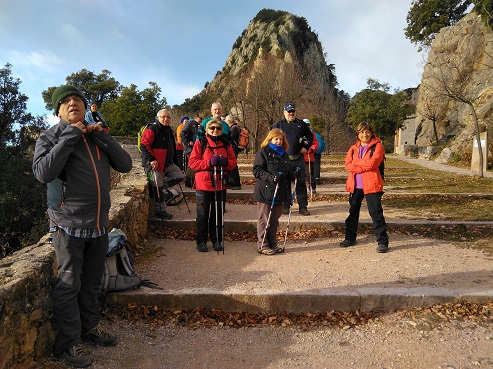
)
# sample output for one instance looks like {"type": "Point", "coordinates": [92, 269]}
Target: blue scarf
{"type": "Point", "coordinates": [278, 149]}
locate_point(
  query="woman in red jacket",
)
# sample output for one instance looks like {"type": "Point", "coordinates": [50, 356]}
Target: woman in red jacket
{"type": "Point", "coordinates": [364, 180]}
{"type": "Point", "coordinates": [212, 156]}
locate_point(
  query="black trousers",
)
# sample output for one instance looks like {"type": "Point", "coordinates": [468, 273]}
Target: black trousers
{"type": "Point", "coordinates": [301, 192]}
{"type": "Point", "coordinates": [374, 203]}
{"type": "Point", "coordinates": [206, 222]}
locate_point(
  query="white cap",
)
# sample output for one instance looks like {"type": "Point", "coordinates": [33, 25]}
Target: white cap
{"type": "Point", "coordinates": [306, 121]}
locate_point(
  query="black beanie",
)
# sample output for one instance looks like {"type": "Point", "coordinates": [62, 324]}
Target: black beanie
{"type": "Point", "coordinates": [61, 93]}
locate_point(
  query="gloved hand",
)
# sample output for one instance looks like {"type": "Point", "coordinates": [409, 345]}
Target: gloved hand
{"type": "Point", "coordinates": [223, 161]}
{"type": "Point", "coordinates": [215, 161]}
{"type": "Point", "coordinates": [297, 172]}
{"type": "Point", "coordinates": [279, 177]}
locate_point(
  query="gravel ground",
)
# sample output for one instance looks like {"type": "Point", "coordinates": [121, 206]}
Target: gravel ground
{"type": "Point", "coordinates": [390, 341]}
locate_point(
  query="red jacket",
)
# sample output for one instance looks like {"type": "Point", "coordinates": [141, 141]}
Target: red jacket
{"type": "Point", "coordinates": [201, 163]}
{"type": "Point", "coordinates": [367, 166]}
{"type": "Point", "coordinates": [310, 154]}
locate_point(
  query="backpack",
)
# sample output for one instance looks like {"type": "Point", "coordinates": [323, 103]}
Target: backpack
{"type": "Point", "coordinates": [244, 139]}
{"type": "Point", "coordinates": [321, 144]}
{"type": "Point", "coordinates": [381, 167]}
{"type": "Point", "coordinates": [140, 133]}
{"type": "Point", "coordinates": [119, 274]}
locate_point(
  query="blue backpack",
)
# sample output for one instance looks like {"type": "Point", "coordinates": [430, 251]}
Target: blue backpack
{"type": "Point", "coordinates": [321, 144]}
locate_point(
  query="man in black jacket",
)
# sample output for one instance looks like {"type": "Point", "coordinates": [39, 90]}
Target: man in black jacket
{"type": "Point", "coordinates": [160, 160]}
{"type": "Point", "coordinates": [300, 138]}
{"type": "Point", "coordinates": [73, 158]}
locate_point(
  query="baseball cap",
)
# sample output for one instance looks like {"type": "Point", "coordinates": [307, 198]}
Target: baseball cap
{"type": "Point", "coordinates": [289, 106]}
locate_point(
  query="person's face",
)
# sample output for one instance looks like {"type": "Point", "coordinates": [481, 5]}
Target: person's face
{"type": "Point", "coordinates": [199, 119]}
{"type": "Point", "coordinates": [290, 115]}
{"type": "Point", "coordinates": [215, 130]}
{"type": "Point", "coordinates": [277, 140]}
{"type": "Point", "coordinates": [94, 107]}
{"type": "Point", "coordinates": [72, 109]}
{"type": "Point", "coordinates": [364, 136]}
{"type": "Point", "coordinates": [216, 111]}
{"type": "Point", "coordinates": [164, 117]}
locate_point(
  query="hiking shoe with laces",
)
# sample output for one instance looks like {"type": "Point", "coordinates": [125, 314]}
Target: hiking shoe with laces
{"type": "Point", "coordinates": [278, 249]}
{"type": "Point", "coordinates": [347, 243]}
{"type": "Point", "coordinates": [74, 356]}
{"type": "Point", "coordinates": [99, 337]}
{"type": "Point", "coordinates": [202, 247]}
{"type": "Point", "coordinates": [266, 251]}
{"type": "Point", "coordinates": [304, 211]}
{"type": "Point", "coordinates": [218, 247]}
{"type": "Point", "coordinates": [382, 248]}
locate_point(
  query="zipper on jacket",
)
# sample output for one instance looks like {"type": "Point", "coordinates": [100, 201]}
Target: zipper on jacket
{"type": "Point", "coordinates": [97, 182]}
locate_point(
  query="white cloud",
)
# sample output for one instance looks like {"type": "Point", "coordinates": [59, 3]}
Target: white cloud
{"type": "Point", "coordinates": [44, 60]}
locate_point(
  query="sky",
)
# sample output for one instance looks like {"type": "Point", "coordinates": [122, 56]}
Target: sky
{"type": "Point", "coordinates": [181, 44]}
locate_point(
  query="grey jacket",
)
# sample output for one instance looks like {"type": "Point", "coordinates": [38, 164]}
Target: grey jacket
{"type": "Point", "coordinates": [76, 169]}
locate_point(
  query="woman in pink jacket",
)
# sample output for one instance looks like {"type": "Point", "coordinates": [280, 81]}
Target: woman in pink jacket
{"type": "Point", "coordinates": [212, 156]}
{"type": "Point", "coordinates": [362, 162]}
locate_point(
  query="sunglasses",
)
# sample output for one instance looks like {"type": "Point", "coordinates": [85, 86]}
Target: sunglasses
{"type": "Point", "coordinates": [291, 111]}
{"type": "Point", "coordinates": [215, 128]}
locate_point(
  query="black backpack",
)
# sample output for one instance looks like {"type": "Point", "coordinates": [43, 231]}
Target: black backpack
{"type": "Point", "coordinates": [381, 167]}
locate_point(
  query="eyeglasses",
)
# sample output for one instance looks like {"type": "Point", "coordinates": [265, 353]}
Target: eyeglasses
{"type": "Point", "coordinates": [67, 100]}
{"type": "Point", "coordinates": [215, 128]}
{"type": "Point", "coordinates": [291, 111]}
{"type": "Point", "coordinates": [165, 116]}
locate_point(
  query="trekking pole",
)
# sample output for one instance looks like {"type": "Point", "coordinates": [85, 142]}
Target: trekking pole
{"type": "Point", "coordinates": [270, 212]}
{"type": "Point", "coordinates": [215, 203]}
{"type": "Point", "coordinates": [184, 198]}
{"type": "Point", "coordinates": [222, 209]}
{"type": "Point", "coordinates": [293, 197]}
{"type": "Point", "coordinates": [310, 177]}
{"type": "Point", "coordinates": [158, 197]}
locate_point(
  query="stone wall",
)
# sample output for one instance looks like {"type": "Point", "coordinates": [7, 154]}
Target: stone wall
{"type": "Point", "coordinates": [27, 277]}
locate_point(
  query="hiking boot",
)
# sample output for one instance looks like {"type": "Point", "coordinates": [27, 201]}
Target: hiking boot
{"type": "Point", "coordinates": [164, 214]}
{"type": "Point", "coordinates": [278, 249]}
{"type": "Point", "coordinates": [265, 251]}
{"type": "Point", "coordinates": [236, 188]}
{"type": "Point", "coordinates": [202, 247]}
{"type": "Point", "coordinates": [347, 243]}
{"type": "Point", "coordinates": [304, 211]}
{"type": "Point", "coordinates": [74, 356]}
{"type": "Point", "coordinates": [98, 337]}
{"type": "Point", "coordinates": [382, 248]}
{"type": "Point", "coordinates": [286, 210]}
{"type": "Point", "coordinates": [218, 247]}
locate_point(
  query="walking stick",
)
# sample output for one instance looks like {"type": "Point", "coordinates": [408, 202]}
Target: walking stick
{"type": "Point", "coordinates": [222, 209]}
{"type": "Point", "coordinates": [293, 198]}
{"type": "Point", "coordinates": [215, 203]}
{"type": "Point", "coordinates": [158, 197]}
{"type": "Point", "coordinates": [310, 177]}
{"type": "Point", "coordinates": [270, 212]}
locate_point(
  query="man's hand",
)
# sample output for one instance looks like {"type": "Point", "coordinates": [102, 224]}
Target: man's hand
{"type": "Point", "coordinates": [153, 164]}
{"type": "Point", "coordinates": [303, 150]}
{"type": "Point", "coordinates": [80, 125]}
{"type": "Point", "coordinates": [94, 128]}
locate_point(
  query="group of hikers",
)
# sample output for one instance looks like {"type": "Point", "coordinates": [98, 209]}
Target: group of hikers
{"type": "Point", "coordinates": [73, 158]}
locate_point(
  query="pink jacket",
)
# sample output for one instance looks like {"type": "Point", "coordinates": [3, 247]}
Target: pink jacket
{"type": "Point", "coordinates": [367, 166]}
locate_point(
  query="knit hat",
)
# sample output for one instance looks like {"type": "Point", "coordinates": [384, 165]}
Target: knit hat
{"type": "Point", "coordinates": [307, 121]}
{"type": "Point", "coordinates": [61, 93]}
{"type": "Point", "coordinates": [289, 106]}
{"type": "Point", "coordinates": [184, 119]}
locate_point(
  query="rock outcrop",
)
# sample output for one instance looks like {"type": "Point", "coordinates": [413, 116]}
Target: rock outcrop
{"type": "Point", "coordinates": [460, 63]}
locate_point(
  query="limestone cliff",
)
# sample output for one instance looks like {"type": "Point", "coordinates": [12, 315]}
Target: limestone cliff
{"type": "Point", "coordinates": [460, 64]}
